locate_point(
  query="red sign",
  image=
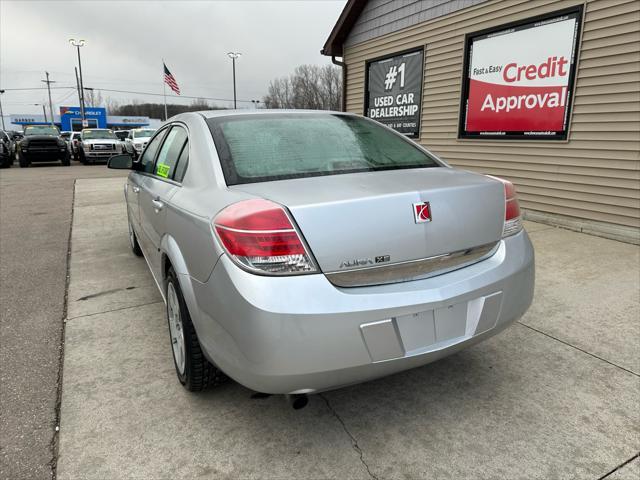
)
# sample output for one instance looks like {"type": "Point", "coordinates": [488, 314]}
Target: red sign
{"type": "Point", "coordinates": [519, 80]}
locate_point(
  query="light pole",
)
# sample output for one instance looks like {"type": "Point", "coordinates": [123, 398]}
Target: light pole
{"type": "Point", "coordinates": [1, 114]}
{"type": "Point", "coordinates": [78, 44]}
{"type": "Point", "coordinates": [44, 111]}
{"type": "Point", "coordinates": [233, 56]}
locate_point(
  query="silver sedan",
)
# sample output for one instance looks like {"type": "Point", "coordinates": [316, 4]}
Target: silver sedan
{"type": "Point", "coordinates": [304, 251]}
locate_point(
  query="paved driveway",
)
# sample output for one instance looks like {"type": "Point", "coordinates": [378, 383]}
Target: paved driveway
{"type": "Point", "coordinates": [35, 218]}
{"type": "Point", "coordinates": [554, 396]}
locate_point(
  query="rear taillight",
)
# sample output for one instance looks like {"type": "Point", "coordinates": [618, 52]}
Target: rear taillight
{"type": "Point", "coordinates": [260, 237]}
{"type": "Point", "coordinates": [512, 220]}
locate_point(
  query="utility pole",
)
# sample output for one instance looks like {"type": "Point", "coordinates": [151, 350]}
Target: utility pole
{"type": "Point", "coordinates": [48, 82]}
{"type": "Point", "coordinates": [78, 44]}
{"type": "Point", "coordinates": [233, 56]}
{"type": "Point", "coordinates": [1, 114]}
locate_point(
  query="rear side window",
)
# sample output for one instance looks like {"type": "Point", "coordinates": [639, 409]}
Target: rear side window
{"type": "Point", "coordinates": [170, 152]}
{"type": "Point", "coordinates": [257, 148]}
{"type": "Point", "coordinates": [149, 154]}
{"type": "Point", "coordinates": [183, 161]}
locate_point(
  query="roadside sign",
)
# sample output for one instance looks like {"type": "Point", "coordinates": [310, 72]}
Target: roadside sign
{"type": "Point", "coordinates": [85, 123]}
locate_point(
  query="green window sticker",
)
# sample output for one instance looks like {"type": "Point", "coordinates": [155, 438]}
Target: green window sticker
{"type": "Point", "coordinates": [162, 170]}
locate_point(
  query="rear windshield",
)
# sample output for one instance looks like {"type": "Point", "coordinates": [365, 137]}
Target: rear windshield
{"type": "Point", "coordinates": [259, 148]}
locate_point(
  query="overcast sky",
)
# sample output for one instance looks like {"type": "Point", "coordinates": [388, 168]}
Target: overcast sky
{"type": "Point", "coordinates": [126, 42]}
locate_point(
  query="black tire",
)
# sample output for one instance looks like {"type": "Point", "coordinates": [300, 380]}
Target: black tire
{"type": "Point", "coordinates": [66, 160]}
{"type": "Point", "coordinates": [198, 373]}
{"type": "Point", "coordinates": [81, 157]}
{"type": "Point", "coordinates": [22, 160]}
{"type": "Point", "coordinates": [133, 241]}
{"type": "Point", "coordinates": [6, 162]}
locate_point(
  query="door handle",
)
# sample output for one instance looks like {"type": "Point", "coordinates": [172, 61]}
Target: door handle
{"type": "Point", "coordinates": [135, 189]}
{"type": "Point", "coordinates": [157, 205]}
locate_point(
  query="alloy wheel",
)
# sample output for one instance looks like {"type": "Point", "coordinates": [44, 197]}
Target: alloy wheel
{"type": "Point", "coordinates": [176, 328]}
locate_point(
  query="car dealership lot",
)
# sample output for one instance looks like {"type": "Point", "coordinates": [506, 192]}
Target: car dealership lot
{"type": "Point", "coordinates": [556, 395]}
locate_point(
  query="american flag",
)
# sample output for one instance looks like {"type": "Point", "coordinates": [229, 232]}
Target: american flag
{"type": "Point", "coordinates": [169, 80]}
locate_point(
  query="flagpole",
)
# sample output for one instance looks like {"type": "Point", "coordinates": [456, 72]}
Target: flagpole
{"type": "Point", "coordinates": [164, 91]}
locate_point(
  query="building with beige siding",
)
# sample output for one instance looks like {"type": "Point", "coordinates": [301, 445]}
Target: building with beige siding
{"type": "Point", "coordinates": [545, 93]}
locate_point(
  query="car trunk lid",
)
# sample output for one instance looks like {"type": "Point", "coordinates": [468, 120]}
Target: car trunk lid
{"type": "Point", "coordinates": [365, 221]}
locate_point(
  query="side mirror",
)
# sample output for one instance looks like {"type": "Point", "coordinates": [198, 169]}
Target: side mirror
{"type": "Point", "coordinates": [120, 162]}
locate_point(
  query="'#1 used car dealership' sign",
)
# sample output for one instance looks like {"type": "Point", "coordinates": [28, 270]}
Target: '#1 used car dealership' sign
{"type": "Point", "coordinates": [394, 91]}
{"type": "Point", "coordinates": [519, 80]}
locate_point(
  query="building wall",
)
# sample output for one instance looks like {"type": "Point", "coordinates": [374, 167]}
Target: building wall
{"type": "Point", "coordinates": [380, 17]}
{"type": "Point", "coordinates": [595, 174]}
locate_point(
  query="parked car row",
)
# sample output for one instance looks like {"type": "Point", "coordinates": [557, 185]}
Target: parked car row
{"type": "Point", "coordinates": [45, 143]}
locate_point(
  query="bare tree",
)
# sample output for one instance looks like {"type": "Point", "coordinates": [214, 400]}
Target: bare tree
{"type": "Point", "coordinates": [111, 105]}
{"type": "Point", "coordinates": [156, 110]}
{"type": "Point", "coordinates": [309, 86]}
{"type": "Point", "coordinates": [93, 98]}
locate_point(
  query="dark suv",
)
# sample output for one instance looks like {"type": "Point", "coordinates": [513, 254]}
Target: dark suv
{"type": "Point", "coordinates": [42, 143]}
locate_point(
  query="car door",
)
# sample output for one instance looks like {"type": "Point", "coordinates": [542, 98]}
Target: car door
{"type": "Point", "coordinates": [135, 178]}
{"type": "Point", "coordinates": [156, 191]}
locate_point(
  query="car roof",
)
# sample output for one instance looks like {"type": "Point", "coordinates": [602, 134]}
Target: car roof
{"type": "Point", "coordinates": [264, 111]}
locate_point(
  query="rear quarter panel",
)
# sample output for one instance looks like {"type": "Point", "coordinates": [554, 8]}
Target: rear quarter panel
{"type": "Point", "coordinates": [201, 196]}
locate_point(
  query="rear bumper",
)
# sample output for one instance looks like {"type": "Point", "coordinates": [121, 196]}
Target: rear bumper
{"type": "Point", "coordinates": [303, 334]}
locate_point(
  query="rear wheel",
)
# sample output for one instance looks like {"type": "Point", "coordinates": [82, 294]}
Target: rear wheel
{"type": "Point", "coordinates": [81, 156]}
{"type": "Point", "coordinates": [193, 369]}
{"type": "Point", "coordinates": [66, 160]}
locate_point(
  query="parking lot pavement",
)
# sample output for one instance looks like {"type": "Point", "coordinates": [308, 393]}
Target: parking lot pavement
{"type": "Point", "coordinates": [630, 471]}
{"type": "Point", "coordinates": [554, 396]}
{"type": "Point", "coordinates": [591, 293]}
{"type": "Point", "coordinates": [35, 217]}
